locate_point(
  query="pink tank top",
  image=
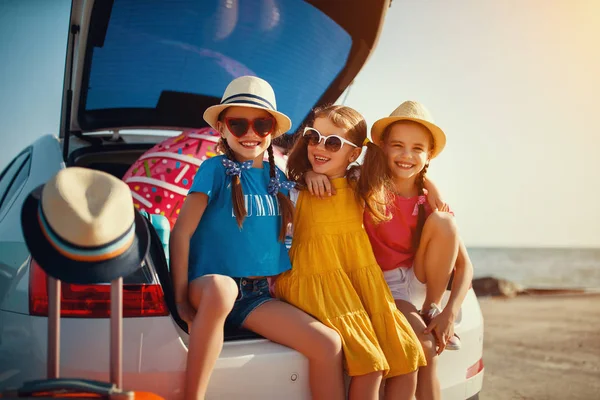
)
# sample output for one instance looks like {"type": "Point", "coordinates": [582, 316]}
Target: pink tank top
{"type": "Point", "coordinates": [392, 240]}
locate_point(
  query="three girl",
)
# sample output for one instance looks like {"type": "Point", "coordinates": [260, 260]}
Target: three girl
{"type": "Point", "coordinates": [335, 276]}
{"type": "Point", "coordinates": [228, 239]}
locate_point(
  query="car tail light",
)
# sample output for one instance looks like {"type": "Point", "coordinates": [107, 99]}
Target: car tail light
{"type": "Point", "coordinates": [475, 368]}
{"type": "Point", "coordinates": [93, 301]}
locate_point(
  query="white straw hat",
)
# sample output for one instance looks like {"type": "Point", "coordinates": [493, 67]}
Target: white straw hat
{"type": "Point", "coordinates": [252, 92]}
{"type": "Point", "coordinates": [81, 227]}
{"type": "Point", "coordinates": [411, 111]}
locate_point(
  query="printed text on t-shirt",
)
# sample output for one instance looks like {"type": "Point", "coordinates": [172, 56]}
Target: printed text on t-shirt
{"type": "Point", "coordinates": [260, 205]}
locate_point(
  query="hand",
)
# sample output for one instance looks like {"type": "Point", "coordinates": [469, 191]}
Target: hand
{"type": "Point", "coordinates": [318, 184]}
{"type": "Point", "coordinates": [272, 280]}
{"type": "Point", "coordinates": [434, 198]}
{"type": "Point", "coordinates": [442, 328]}
{"type": "Point", "coordinates": [437, 203]}
{"type": "Point", "coordinates": [186, 312]}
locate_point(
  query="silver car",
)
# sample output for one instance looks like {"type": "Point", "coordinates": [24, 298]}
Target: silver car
{"type": "Point", "coordinates": [135, 66]}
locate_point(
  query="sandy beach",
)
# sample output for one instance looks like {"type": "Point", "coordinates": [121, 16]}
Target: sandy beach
{"type": "Point", "coordinates": [542, 347]}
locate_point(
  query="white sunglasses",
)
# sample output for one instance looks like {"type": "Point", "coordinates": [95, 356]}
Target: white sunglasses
{"type": "Point", "coordinates": [333, 143]}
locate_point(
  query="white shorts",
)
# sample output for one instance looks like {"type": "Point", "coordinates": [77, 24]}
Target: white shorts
{"type": "Point", "coordinates": [404, 285]}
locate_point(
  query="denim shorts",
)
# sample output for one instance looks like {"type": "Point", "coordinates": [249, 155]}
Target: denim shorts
{"type": "Point", "coordinates": [251, 294]}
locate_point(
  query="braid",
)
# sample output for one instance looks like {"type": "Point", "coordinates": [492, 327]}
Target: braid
{"type": "Point", "coordinates": [421, 216]}
{"type": "Point", "coordinates": [237, 195]}
{"type": "Point", "coordinates": [285, 205]}
{"type": "Point", "coordinates": [272, 171]}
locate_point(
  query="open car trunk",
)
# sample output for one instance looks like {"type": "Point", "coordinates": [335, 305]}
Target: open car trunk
{"type": "Point", "coordinates": [140, 64]}
{"type": "Point", "coordinates": [135, 64]}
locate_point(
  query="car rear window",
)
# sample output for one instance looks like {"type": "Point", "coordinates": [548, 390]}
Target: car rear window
{"type": "Point", "coordinates": [198, 47]}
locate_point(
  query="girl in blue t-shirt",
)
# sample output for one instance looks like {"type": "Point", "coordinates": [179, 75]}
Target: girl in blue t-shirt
{"type": "Point", "coordinates": [229, 237]}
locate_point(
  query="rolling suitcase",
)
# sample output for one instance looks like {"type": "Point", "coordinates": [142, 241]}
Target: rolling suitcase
{"type": "Point", "coordinates": [55, 387]}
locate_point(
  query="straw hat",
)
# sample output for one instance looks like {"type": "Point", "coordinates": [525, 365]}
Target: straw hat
{"type": "Point", "coordinates": [81, 227]}
{"type": "Point", "coordinates": [411, 111]}
{"type": "Point", "coordinates": [252, 92]}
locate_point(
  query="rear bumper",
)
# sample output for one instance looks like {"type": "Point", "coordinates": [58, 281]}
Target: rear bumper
{"type": "Point", "coordinates": [153, 354]}
{"type": "Point", "coordinates": [474, 385]}
{"type": "Point", "coordinates": [467, 389]}
{"type": "Point", "coordinates": [154, 358]}
{"type": "Point", "coordinates": [259, 369]}
{"type": "Point", "coordinates": [453, 366]}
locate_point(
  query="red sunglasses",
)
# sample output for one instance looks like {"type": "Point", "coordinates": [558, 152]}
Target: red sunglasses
{"type": "Point", "coordinates": [239, 126]}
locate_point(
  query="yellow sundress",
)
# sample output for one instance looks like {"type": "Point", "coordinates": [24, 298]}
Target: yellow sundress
{"type": "Point", "coordinates": [336, 279]}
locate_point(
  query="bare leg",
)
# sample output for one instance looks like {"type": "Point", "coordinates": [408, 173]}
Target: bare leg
{"type": "Point", "coordinates": [428, 385]}
{"type": "Point", "coordinates": [213, 297]}
{"type": "Point", "coordinates": [401, 387]}
{"type": "Point", "coordinates": [287, 325]}
{"type": "Point", "coordinates": [365, 387]}
{"type": "Point", "coordinates": [436, 256]}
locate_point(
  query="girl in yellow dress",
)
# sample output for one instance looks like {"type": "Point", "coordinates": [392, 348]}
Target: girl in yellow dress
{"type": "Point", "coordinates": [334, 274]}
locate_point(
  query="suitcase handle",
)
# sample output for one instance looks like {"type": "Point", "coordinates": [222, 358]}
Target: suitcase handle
{"type": "Point", "coordinates": [108, 390]}
{"type": "Point", "coordinates": [116, 330]}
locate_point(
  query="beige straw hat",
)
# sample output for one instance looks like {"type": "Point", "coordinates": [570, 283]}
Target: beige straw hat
{"type": "Point", "coordinates": [253, 92]}
{"type": "Point", "coordinates": [81, 227]}
{"type": "Point", "coordinates": [411, 111]}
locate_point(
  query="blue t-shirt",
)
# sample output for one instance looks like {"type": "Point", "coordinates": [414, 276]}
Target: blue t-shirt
{"type": "Point", "coordinates": [218, 245]}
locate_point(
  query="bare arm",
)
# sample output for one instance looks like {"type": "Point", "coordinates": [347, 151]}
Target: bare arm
{"type": "Point", "coordinates": [179, 244]}
{"type": "Point", "coordinates": [434, 197]}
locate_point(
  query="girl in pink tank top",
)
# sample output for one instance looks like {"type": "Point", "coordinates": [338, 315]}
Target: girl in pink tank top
{"type": "Point", "coordinates": [419, 249]}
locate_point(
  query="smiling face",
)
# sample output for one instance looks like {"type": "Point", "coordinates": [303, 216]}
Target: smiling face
{"type": "Point", "coordinates": [407, 146]}
{"type": "Point", "coordinates": [331, 163]}
{"type": "Point", "coordinates": [250, 146]}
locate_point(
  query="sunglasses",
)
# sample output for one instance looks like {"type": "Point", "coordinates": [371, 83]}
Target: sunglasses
{"type": "Point", "coordinates": [240, 126]}
{"type": "Point", "coordinates": [332, 142]}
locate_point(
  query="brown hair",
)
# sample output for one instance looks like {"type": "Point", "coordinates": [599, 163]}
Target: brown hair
{"type": "Point", "coordinates": [373, 184]}
{"type": "Point", "coordinates": [419, 181]}
{"type": "Point", "coordinates": [286, 207]}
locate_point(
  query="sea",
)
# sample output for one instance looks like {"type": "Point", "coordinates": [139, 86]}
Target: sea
{"type": "Point", "coordinates": [539, 267]}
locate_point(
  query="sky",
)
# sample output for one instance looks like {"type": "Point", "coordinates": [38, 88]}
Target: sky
{"type": "Point", "coordinates": [513, 84]}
